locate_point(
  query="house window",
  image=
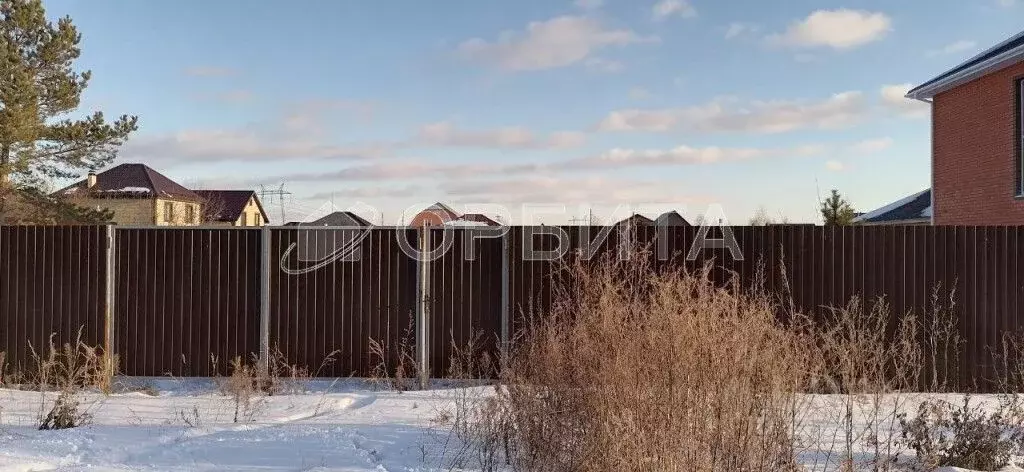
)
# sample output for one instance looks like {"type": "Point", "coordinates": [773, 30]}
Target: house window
{"type": "Point", "coordinates": [168, 212]}
{"type": "Point", "coordinates": [1020, 137]}
{"type": "Point", "coordinates": [190, 214]}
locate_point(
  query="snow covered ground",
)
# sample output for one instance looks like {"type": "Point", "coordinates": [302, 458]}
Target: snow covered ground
{"type": "Point", "coordinates": [189, 426]}
{"type": "Point", "coordinates": [343, 425]}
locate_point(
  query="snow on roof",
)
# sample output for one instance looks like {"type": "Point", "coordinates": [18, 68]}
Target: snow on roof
{"type": "Point", "coordinates": [465, 223]}
{"type": "Point", "coordinates": [129, 190]}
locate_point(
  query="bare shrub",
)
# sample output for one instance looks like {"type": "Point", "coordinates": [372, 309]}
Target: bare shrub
{"type": "Point", "coordinates": [1009, 363]}
{"type": "Point", "coordinates": [68, 370]}
{"type": "Point", "coordinates": [403, 376]}
{"type": "Point", "coordinates": [3, 368]}
{"type": "Point", "coordinates": [191, 418]}
{"type": "Point", "coordinates": [946, 435]}
{"type": "Point", "coordinates": [281, 377]}
{"type": "Point", "coordinates": [476, 425]}
{"type": "Point", "coordinates": [942, 343]}
{"type": "Point", "coordinates": [470, 361]}
{"type": "Point", "coordinates": [658, 371]}
{"type": "Point", "coordinates": [241, 386]}
{"type": "Point", "coordinates": [873, 359]}
{"type": "Point", "coordinates": [479, 431]}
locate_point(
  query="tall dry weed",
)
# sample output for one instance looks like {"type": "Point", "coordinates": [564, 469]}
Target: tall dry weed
{"type": "Point", "coordinates": [661, 371]}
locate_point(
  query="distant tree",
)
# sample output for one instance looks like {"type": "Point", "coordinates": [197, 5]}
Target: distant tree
{"type": "Point", "coordinates": [30, 205]}
{"type": "Point", "coordinates": [836, 211]}
{"type": "Point", "coordinates": [762, 218]}
{"type": "Point", "coordinates": [39, 90]}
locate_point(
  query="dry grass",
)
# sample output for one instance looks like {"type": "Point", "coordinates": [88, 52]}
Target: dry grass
{"type": "Point", "coordinates": [68, 370]}
{"type": "Point", "coordinates": [243, 387]}
{"type": "Point", "coordinates": [396, 367]}
{"type": "Point", "coordinates": [664, 371]}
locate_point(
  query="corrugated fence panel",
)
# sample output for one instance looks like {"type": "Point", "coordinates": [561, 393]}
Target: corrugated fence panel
{"type": "Point", "coordinates": [187, 300]}
{"type": "Point", "coordinates": [187, 296]}
{"type": "Point", "coordinates": [465, 300]}
{"type": "Point", "coordinates": [333, 290]}
{"type": "Point", "coordinates": [53, 283]}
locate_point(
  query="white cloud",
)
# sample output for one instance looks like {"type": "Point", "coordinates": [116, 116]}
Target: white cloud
{"type": "Point", "coordinates": [411, 170]}
{"type": "Point", "coordinates": [589, 4]}
{"type": "Point", "coordinates": [447, 134]}
{"type": "Point", "coordinates": [838, 29]}
{"type": "Point", "coordinates": [737, 29]}
{"type": "Point", "coordinates": [894, 99]}
{"type": "Point", "coordinates": [558, 42]}
{"type": "Point", "coordinates": [871, 146]}
{"type": "Point", "coordinates": [953, 48]}
{"type": "Point", "coordinates": [681, 155]}
{"type": "Point", "coordinates": [726, 115]}
{"type": "Point", "coordinates": [375, 191]}
{"type": "Point", "coordinates": [599, 64]}
{"type": "Point", "coordinates": [571, 190]}
{"type": "Point", "coordinates": [835, 166]}
{"type": "Point", "coordinates": [666, 8]}
{"type": "Point", "coordinates": [639, 93]}
{"type": "Point", "coordinates": [238, 145]}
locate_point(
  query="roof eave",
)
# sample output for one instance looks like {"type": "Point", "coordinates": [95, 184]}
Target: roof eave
{"type": "Point", "coordinates": [909, 221]}
{"type": "Point", "coordinates": [929, 90]}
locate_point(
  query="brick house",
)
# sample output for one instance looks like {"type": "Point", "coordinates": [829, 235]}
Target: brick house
{"type": "Point", "coordinates": [437, 214]}
{"type": "Point", "coordinates": [440, 214]}
{"type": "Point", "coordinates": [232, 208]}
{"type": "Point", "coordinates": [138, 195]}
{"type": "Point", "coordinates": [977, 134]}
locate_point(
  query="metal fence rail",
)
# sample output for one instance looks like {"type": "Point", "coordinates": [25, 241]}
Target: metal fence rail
{"type": "Point", "coordinates": [170, 300]}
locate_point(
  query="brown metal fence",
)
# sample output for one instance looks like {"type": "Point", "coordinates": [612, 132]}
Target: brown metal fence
{"type": "Point", "coordinates": [323, 318]}
{"type": "Point", "coordinates": [187, 301]}
{"type": "Point", "coordinates": [183, 296]}
{"type": "Point", "coordinates": [51, 282]}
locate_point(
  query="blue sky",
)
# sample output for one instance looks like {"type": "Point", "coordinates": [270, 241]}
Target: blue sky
{"type": "Point", "coordinates": [398, 104]}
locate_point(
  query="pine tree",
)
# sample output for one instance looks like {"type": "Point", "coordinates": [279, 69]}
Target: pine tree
{"type": "Point", "coordinates": [836, 211]}
{"type": "Point", "coordinates": [39, 89]}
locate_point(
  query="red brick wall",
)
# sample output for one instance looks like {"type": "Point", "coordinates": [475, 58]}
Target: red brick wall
{"type": "Point", "coordinates": [974, 152]}
{"type": "Point", "coordinates": [429, 218]}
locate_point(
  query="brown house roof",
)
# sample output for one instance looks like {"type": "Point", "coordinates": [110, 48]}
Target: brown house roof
{"type": "Point", "coordinates": [442, 210]}
{"type": "Point", "coordinates": [131, 181]}
{"type": "Point", "coordinates": [479, 218]}
{"type": "Point", "coordinates": [229, 204]}
{"type": "Point", "coordinates": [636, 220]}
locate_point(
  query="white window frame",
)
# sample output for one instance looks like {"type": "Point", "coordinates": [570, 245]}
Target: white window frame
{"type": "Point", "coordinates": [1019, 138]}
